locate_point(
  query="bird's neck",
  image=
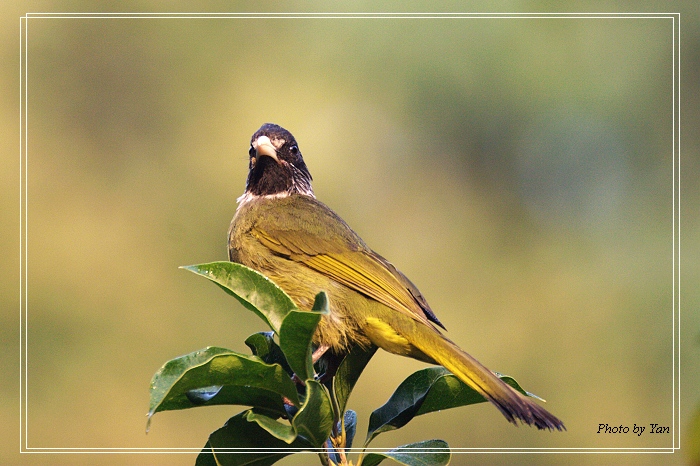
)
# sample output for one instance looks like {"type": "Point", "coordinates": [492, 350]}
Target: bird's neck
{"type": "Point", "coordinates": [248, 196]}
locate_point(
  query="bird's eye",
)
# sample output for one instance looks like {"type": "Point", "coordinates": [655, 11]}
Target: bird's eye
{"type": "Point", "coordinates": [251, 151]}
{"type": "Point", "coordinates": [294, 149]}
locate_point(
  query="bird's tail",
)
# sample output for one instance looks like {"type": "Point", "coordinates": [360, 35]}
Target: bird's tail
{"type": "Point", "coordinates": [513, 404]}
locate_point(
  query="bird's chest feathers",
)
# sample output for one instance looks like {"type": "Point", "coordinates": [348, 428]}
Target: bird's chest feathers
{"type": "Point", "coordinates": [286, 240]}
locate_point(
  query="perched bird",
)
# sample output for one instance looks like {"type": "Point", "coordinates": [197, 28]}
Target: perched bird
{"type": "Point", "coordinates": [281, 230]}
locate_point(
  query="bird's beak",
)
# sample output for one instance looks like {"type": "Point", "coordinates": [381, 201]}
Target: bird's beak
{"type": "Point", "coordinates": [263, 146]}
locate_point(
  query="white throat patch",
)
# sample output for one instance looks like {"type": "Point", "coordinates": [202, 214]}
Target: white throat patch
{"type": "Point", "coordinates": [246, 197]}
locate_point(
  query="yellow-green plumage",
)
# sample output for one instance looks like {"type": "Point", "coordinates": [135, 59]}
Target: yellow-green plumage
{"type": "Point", "coordinates": [298, 249]}
{"type": "Point", "coordinates": [282, 231]}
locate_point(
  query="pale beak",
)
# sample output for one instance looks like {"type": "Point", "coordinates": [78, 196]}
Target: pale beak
{"type": "Point", "coordinates": [263, 146]}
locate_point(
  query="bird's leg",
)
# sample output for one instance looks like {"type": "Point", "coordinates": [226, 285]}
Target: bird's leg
{"type": "Point", "coordinates": [320, 351]}
{"type": "Point", "coordinates": [331, 363]}
{"type": "Point", "coordinates": [297, 380]}
{"type": "Point", "coordinates": [317, 354]}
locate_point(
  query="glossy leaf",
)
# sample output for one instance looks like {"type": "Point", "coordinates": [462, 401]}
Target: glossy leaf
{"type": "Point", "coordinates": [426, 453]}
{"type": "Point", "coordinates": [229, 377]}
{"type": "Point", "coordinates": [240, 443]}
{"type": "Point", "coordinates": [349, 372]}
{"type": "Point", "coordinates": [200, 396]}
{"type": "Point", "coordinates": [314, 420]}
{"type": "Point", "coordinates": [450, 392]}
{"type": "Point", "coordinates": [280, 430]}
{"type": "Point", "coordinates": [263, 400]}
{"type": "Point", "coordinates": [296, 333]}
{"type": "Point", "coordinates": [263, 345]}
{"type": "Point", "coordinates": [252, 289]}
{"type": "Point", "coordinates": [425, 391]}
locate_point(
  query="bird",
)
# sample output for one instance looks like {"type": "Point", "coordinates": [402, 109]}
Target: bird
{"type": "Point", "coordinates": [281, 230]}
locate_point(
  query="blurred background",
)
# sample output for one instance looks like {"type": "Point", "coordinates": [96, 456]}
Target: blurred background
{"type": "Point", "coordinates": [519, 171]}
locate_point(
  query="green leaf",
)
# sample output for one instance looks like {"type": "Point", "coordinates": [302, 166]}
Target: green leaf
{"type": "Point", "coordinates": [240, 443]}
{"type": "Point", "coordinates": [263, 345]}
{"type": "Point", "coordinates": [404, 403]}
{"type": "Point", "coordinates": [206, 457]}
{"type": "Point", "coordinates": [426, 453]}
{"type": "Point", "coordinates": [233, 395]}
{"type": "Point", "coordinates": [349, 371]}
{"type": "Point", "coordinates": [425, 391]}
{"type": "Point", "coordinates": [449, 392]}
{"type": "Point", "coordinates": [296, 333]}
{"type": "Point", "coordinates": [229, 377]}
{"type": "Point", "coordinates": [255, 291]}
{"type": "Point", "coordinates": [314, 420]}
{"type": "Point", "coordinates": [279, 430]}
{"type": "Point", "coordinates": [200, 396]}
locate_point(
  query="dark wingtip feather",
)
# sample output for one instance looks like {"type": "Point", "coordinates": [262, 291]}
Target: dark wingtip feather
{"type": "Point", "coordinates": [543, 419]}
{"type": "Point", "coordinates": [529, 413]}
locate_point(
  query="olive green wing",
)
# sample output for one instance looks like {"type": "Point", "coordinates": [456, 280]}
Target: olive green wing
{"type": "Point", "coordinates": [306, 231]}
{"type": "Point", "coordinates": [415, 292]}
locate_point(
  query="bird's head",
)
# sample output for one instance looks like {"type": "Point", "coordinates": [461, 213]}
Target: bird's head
{"type": "Point", "coordinates": [276, 165]}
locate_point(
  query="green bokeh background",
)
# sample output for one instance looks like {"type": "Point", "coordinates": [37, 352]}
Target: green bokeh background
{"type": "Point", "coordinates": [518, 170]}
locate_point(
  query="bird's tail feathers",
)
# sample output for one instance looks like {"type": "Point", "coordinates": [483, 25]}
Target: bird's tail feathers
{"type": "Point", "coordinates": [512, 404]}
